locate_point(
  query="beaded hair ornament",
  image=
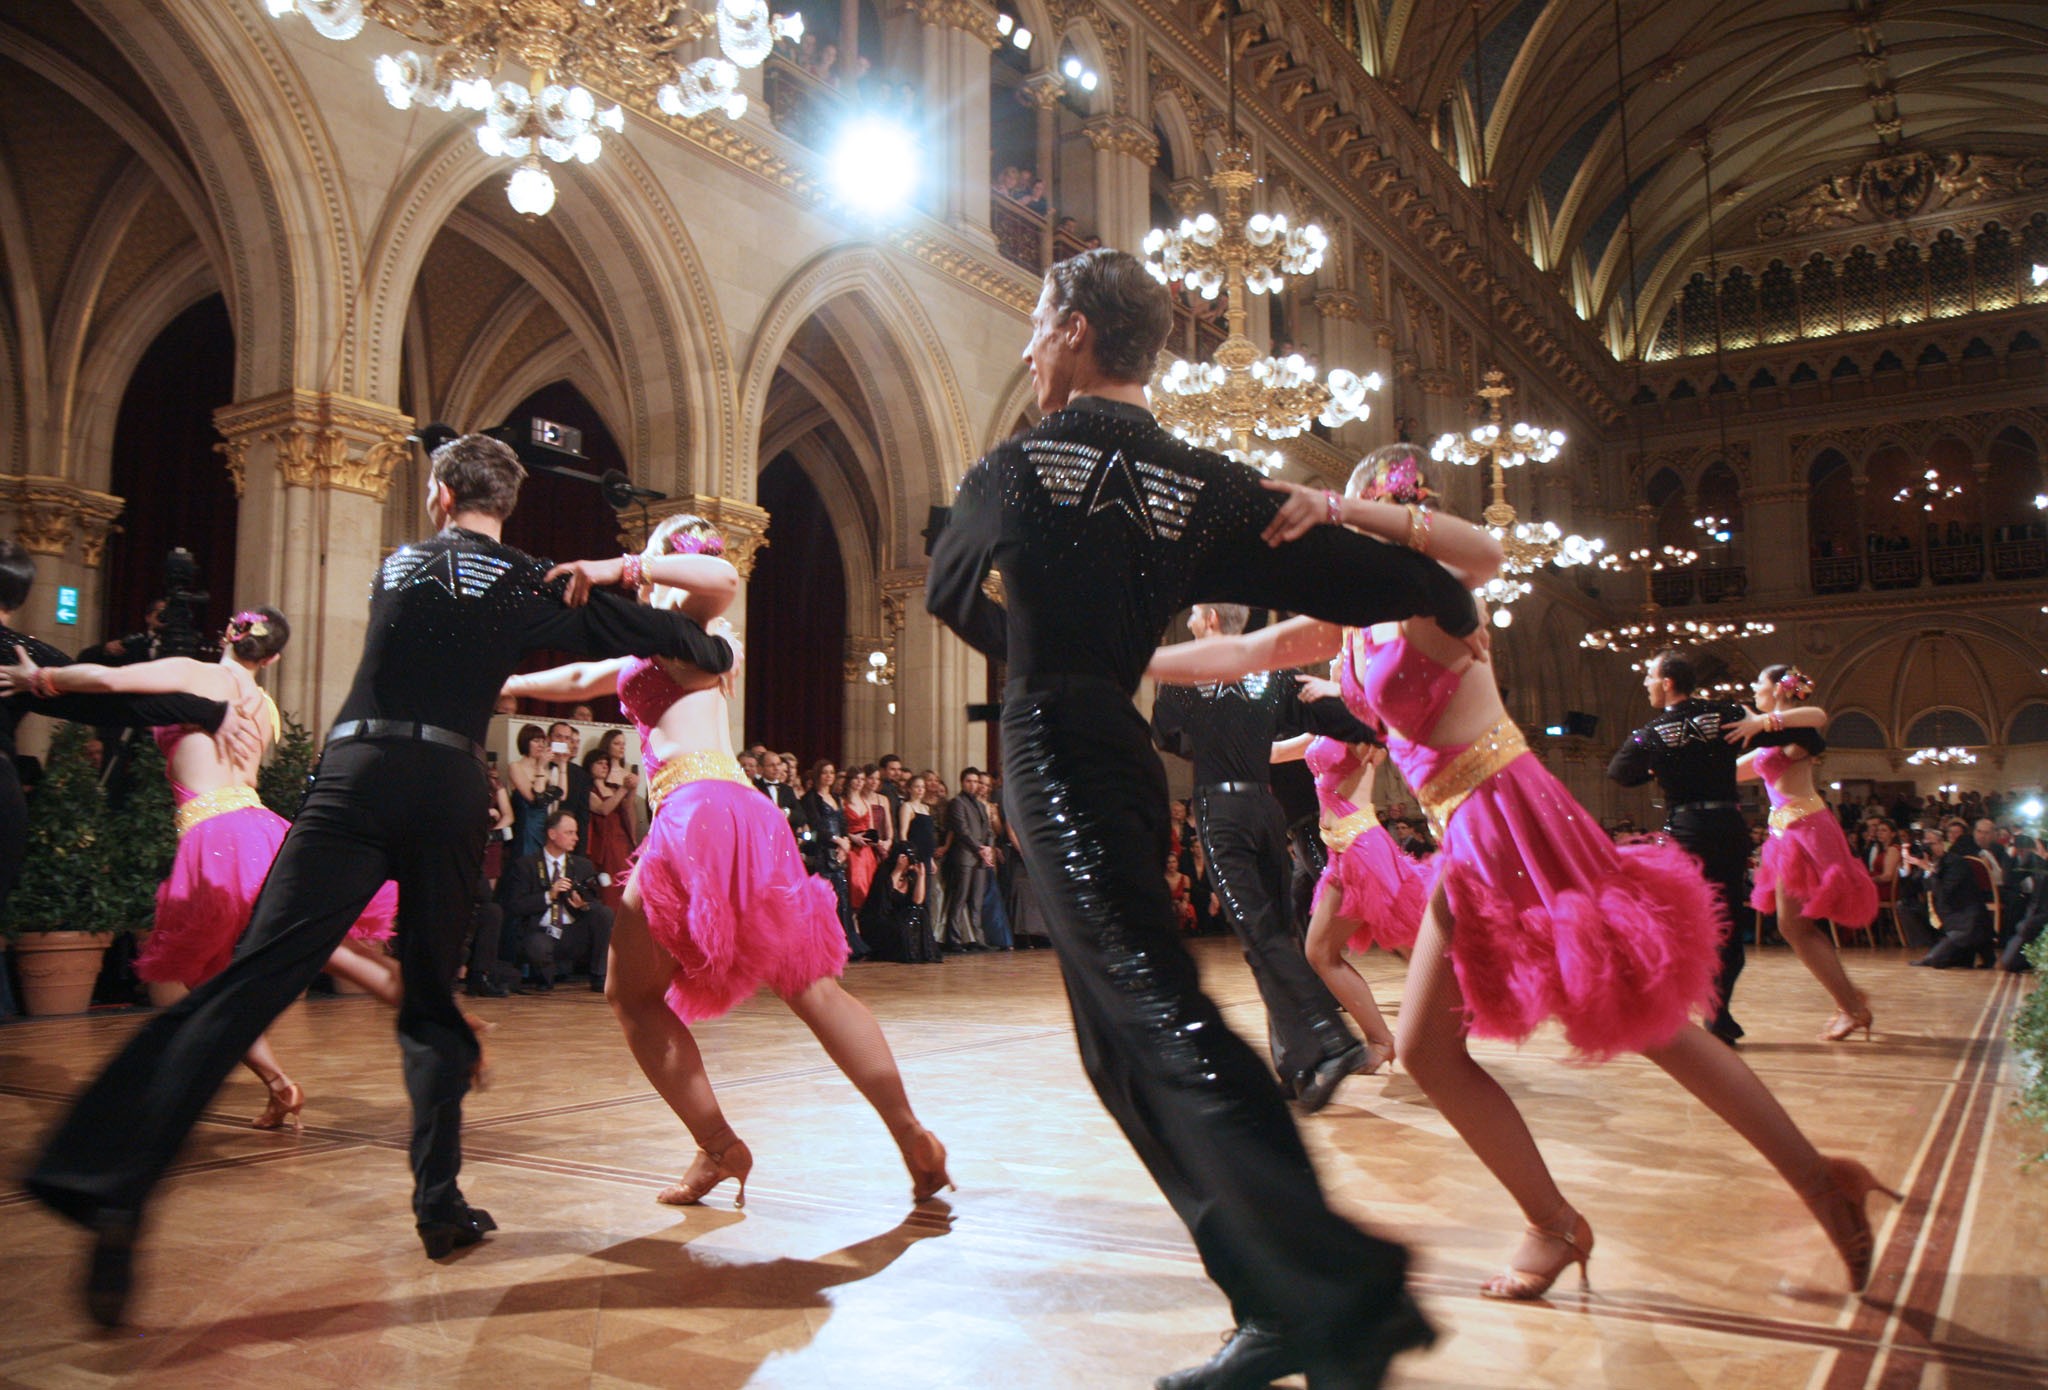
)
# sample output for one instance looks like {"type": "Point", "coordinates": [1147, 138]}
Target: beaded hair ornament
{"type": "Point", "coordinates": [1795, 684]}
{"type": "Point", "coordinates": [1399, 482]}
{"type": "Point", "coordinates": [685, 541]}
{"type": "Point", "coordinates": [247, 623]}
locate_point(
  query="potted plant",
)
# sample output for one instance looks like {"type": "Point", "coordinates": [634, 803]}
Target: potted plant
{"type": "Point", "coordinates": [57, 916]}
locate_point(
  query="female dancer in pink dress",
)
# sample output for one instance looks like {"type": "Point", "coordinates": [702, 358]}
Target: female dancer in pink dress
{"type": "Point", "coordinates": [1807, 871]}
{"type": "Point", "coordinates": [1369, 891]}
{"type": "Point", "coordinates": [227, 838]}
{"type": "Point", "coordinates": [1535, 914]}
{"type": "Point", "coordinates": [719, 903]}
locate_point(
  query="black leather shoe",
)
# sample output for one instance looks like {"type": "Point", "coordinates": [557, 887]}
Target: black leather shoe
{"type": "Point", "coordinates": [443, 1238]}
{"type": "Point", "coordinates": [1364, 1365]}
{"type": "Point", "coordinates": [111, 1274]}
{"type": "Point", "coordinates": [1323, 1083]}
{"type": "Point", "coordinates": [1254, 1356]}
{"type": "Point", "coordinates": [484, 987]}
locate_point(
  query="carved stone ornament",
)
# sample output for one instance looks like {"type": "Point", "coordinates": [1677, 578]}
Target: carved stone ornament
{"type": "Point", "coordinates": [1896, 186]}
{"type": "Point", "coordinates": [47, 512]}
{"type": "Point", "coordinates": [1042, 90]}
{"type": "Point", "coordinates": [743, 525]}
{"type": "Point", "coordinates": [317, 440]}
{"type": "Point", "coordinates": [968, 16]}
{"type": "Point", "coordinates": [1123, 135]}
{"type": "Point", "coordinates": [1339, 304]}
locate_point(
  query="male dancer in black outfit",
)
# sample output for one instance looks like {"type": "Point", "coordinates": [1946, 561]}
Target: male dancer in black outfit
{"type": "Point", "coordinates": [395, 796]}
{"type": "Point", "coordinates": [1103, 526]}
{"type": "Point", "coordinates": [1227, 730]}
{"type": "Point", "coordinates": [1683, 748]}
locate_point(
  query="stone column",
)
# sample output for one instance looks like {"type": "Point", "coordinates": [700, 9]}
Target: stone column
{"type": "Point", "coordinates": [957, 38]}
{"type": "Point", "coordinates": [312, 470]}
{"type": "Point", "coordinates": [1042, 92]}
{"type": "Point", "coordinates": [937, 677]}
{"type": "Point", "coordinates": [1774, 542]}
{"type": "Point", "coordinates": [66, 527]}
{"type": "Point", "coordinates": [1125, 152]}
{"type": "Point", "coordinates": [744, 527]}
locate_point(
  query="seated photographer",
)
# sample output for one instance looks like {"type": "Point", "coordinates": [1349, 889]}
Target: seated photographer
{"type": "Point", "coordinates": [551, 904]}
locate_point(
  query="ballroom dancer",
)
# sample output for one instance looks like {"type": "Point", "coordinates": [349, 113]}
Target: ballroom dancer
{"type": "Point", "coordinates": [395, 796]}
{"type": "Point", "coordinates": [1536, 914]}
{"type": "Point", "coordinates": [719, 903]}
{"type": "Point", "coordinates": [1226, 729]}
{"type": "Point", "coordinates": [1683, 747]}
{"type": "Point", "coordinates": [1807, 871]}
{"type": "Point", "coordinates": [227, 837]}
{"type": "Point", "coordinates": [234, 733]}
{"type": "Point", "coordinates": [1102, 526]}
{"type": "Point", "coordinates": [1369, 891]}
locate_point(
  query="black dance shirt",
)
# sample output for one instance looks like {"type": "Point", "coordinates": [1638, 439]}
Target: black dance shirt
{"type": "Point", "coordinates": [1683, 748]}
{"type": "Point", "coordinates": [1227, 728]}
{"type": "Point", "coordinates": [1103, 526]}
{"type": "Point", "coordinates": [450, 618]}
{"type": "Point", "coordinates": [99, 710]}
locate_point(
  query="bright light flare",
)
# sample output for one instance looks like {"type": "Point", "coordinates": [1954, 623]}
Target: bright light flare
{"type": "Point", "coordinates": [875, 165]}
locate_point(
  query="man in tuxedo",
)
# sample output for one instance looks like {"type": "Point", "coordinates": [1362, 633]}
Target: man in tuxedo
{"type": "Point", "coordinates": [559, 924]}
{"type": "Point", "coordinates": [970, 863]}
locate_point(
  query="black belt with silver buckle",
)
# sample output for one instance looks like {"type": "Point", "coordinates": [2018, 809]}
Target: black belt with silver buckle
{"type": "Point", "coordinates": [1705, 806]}
{"type": "Point", "coordinates": [405, 728]}
{"type": "Point", "coordinates": [1234, 787]}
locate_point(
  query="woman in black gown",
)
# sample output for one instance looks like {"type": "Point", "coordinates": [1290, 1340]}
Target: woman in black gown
{"type": "Point", "coordinates": [828, 822]}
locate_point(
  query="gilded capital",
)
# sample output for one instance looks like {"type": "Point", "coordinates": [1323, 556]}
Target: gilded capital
{"type": "Point", "coordinates": [315, 439]}
{"type": "Point", "coordinates": [1339, 304]}
{"type": "Point", "coordinates": [743, 525]}
{"type": "Point", "coordinates": [1123, 135]}
{"type": "Point", "coordinates": [1042, 90]}
{"type": "Point", "coordinates": [48, 512]}
{"type": "Point", "coordinates": [969, 16]}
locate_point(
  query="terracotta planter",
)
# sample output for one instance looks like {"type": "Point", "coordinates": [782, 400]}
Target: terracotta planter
{"type": "Point", "coordinates": [58, 969]}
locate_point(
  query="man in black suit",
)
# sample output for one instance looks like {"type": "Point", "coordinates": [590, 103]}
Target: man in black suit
{"type": "Point", "coordinates": [559, 924]}
{"type": "Point", "coordinates": [970, 861]}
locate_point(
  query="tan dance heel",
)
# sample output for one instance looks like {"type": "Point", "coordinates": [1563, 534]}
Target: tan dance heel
{"type": "Point", "coordinates": [925, 1157]}
{"type": "Point", "coordinates": [287, 1099]}
{"type": "Point", "coordinates": [1576, 1242]}
{"type": "Point", "coordinates": [1845, 1023]}
{"type": "Point", "coordinates": [708, 1170]}
{"type": "Point", "coordinates": [1839, 1204]}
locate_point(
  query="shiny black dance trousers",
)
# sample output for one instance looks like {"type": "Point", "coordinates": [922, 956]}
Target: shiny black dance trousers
{"type": "Point", "coordinates": [1088, 798]}
{"type": "Point", "coordinates": [377, 810]}
{"type": "Point", "coordinates": [1719, 839]}
{"type": "Point", "coordinates": [1244, 836]}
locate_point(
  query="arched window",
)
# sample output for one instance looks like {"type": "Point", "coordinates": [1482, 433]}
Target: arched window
{"type": "Point", "coordinates": [1832, 543]}
{"type": "Point", "coordinates": [2030, 725]}
{"type": "Point", "coordinates": [1945, 728]}
{"type": "Point", "coordinates": [1855, 729]}
{"type": "Point", "coordinates": [2019, 532]}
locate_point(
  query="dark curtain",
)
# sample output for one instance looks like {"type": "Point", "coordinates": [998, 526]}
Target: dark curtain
{"type": "Point", "coordinates": [176, 487]}
{"type": "Point", "coordinates": [796, 623]}
{"type": "Point", "coordinates": [565, 518]}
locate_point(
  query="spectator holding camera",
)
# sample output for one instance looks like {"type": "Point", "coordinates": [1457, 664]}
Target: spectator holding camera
{"type": "Point", "coordinates": [534, 790]}
{"type": "Point", "coordinates": [551, 903]}
{"type": "Point", "coordinates": [609, 844]}
{"type": "Point", "coordinates": [568, 775]}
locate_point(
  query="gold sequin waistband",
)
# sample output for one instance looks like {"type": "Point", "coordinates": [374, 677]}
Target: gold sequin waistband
{"type": "Point", "coordinates": [217, 802]}
{"type": "Point", "coordinates": [1465, 774]}
{"type": "Point", "coordinates": [698, 765]}
{"type": "Point", "coordinates": [1342, 833]}
{"type": "Point", "coordinates": [1783, 818]}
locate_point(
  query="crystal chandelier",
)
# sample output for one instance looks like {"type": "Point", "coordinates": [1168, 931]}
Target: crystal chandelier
{"type": "Point", "coordinates": [1649, 631]}
{"type": "Point", "coordinates": [1526, 546]}
{"type": "Point", "coordinates": [1222, 404]}
{"type": "Point", "coordinates": [1942, 758]}
{"type": "Point", "coordinates": [570, 49]}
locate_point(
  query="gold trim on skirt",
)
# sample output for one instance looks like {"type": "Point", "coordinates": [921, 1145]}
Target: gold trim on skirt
{"type": "Point", "coordinates": [217, 802]}
{"type": "Point", "coordinates": [697, 765]}
{"type": "Point", "coordinates": [1465, 774]}
{"type": "Point", "coordinates": [1784, 817]}
{"type": "Point", "coordinates": [1342, 833]}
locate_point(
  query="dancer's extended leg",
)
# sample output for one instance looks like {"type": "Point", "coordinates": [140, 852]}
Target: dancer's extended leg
{"type": "Point", "coordinates": [854, 1041]}
{"type": "Point", "coordinates": [1431, 1041]}
{"type": "Point", "coordinates": [1327, 936]}
{"type": "Point", "coordinates": [1818, 955]}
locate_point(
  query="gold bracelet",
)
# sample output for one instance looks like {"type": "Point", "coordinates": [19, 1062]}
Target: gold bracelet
{"type": "Point", "coordinates": [1419, 523]}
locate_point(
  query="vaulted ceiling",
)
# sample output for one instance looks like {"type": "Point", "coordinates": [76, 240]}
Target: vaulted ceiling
{"type": "Point", "coordinates": [1786, 94]}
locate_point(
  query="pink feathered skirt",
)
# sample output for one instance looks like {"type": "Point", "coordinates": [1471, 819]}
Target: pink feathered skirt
{"type": "Point", "coordinates": [1621, 945]}
{"type": "Point", "coordinates": [725, 892]}
{"type": "Point", "coordinates": [1811, 860]}
{"type": "Point", "coordinates": [1384, 891]}
{"type": "Point", "coordinates": [203, 907]}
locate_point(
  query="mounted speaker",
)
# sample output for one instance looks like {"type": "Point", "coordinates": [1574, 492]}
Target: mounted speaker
{"type": "Point", "coordinates": [1579, 724]}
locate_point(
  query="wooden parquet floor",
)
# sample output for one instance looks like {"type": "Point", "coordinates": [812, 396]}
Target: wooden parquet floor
{"type": "Point", "coordinates": [286, 1261]}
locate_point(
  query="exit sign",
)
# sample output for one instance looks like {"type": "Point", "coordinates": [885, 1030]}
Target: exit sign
{"type": "Point", "coordinates": [67, 604]}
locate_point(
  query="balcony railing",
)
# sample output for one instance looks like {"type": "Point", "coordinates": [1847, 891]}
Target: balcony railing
{"type": "Point", "coordinates": [803, 108]}
{"type": "Point", "coordinates": [1955, 564]}
{"type": "Point", "coordinates": [1671, 588]}
{"type": "Point", "coordinates": [1020, 233]}
{"type": "Point", "coordinates": [1898, 569]}
{"type": "Point", "coordinates": [1837, 574]}
{"type": "Point", "coordinates": [2026, 559]}
{"type": "Point", "coordinates": [1721, 583]}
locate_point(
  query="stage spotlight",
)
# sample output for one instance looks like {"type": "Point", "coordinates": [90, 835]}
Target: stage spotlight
{"type": "Point", "coordinates": [2031, 808]}
{"type": "Point", "coordinates": [875, 164]}
{"type": "Point", "coordinates": [1022, 38]}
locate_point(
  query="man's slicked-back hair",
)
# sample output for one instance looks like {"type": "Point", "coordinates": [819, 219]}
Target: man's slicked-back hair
{"type": "Point", "coordinates": [17, 575]}
{"type": "Point", "coordinates": [1675, 666]}
{"type": "Point", "coordinates": [1130, 311]}
{"type": "Point", "coordinates": [482, 472]}
{"type": "Point", "coordinates": [1230, 617]}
